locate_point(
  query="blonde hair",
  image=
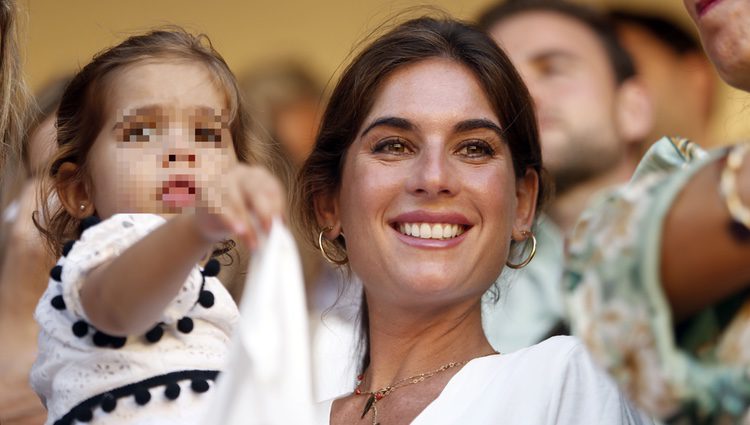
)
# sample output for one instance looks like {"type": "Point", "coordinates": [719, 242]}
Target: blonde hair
{"type": "Point", "coordinates": [14, 105]}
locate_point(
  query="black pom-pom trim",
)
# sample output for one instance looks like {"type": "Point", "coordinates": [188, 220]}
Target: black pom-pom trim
{"type": "Point", "coordinates": [84, 414]}
{"type": "Point", "coordinates": [67, 247]}
{"type": "Point", "coordinates": [155, 334]}
{"type": "Point", "coordinates": [185, 325]}
{"type": "Point", "coordinates": [109, 402]}
{"type": "Point", "coordinates": [212, 268]}
{"type": "Point", "coordinates": [141, 391]}
{"type": "Point", "coordinates": [101, 339]}
{"type": "Point", "coordinates": [89, 222]}
{"type": "Point", "coordinates": [199, 385]}
{"type": "Point", "coordinates": [58, 302]}
{"type": "Point", "coordinates": [56, 273]}
{"type": "Point", "coordinates": [172, 391]}
{"type": "Point", "coordinates": [142, 396]}
{"type": "Point", "coordinates": [117, 341]}
{"type": "Point", "coordinates": [206, 299]}
{"type": "Point", "coordinates": [80, 328]}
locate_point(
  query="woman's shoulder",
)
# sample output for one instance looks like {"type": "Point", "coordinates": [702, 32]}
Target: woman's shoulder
{"type": "Point", "coordinates": [552, 352]}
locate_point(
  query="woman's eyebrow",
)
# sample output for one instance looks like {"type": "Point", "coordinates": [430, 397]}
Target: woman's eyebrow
{"type": "Point", "coordinates": [396, 122]}
{"type": "Point", "coordinates": [476, 124]}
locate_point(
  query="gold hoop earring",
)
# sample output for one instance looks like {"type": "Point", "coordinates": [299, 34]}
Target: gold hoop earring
{"type": "Point", "coordinates": [525, 262]}
{"type": "Point", "coordinates": [331, 260]}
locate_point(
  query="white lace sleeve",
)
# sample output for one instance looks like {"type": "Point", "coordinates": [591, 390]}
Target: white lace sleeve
{"type": "Point", "coordinates": [107, 240]}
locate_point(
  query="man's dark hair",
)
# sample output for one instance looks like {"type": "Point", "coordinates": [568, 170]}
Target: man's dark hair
{"type": "Point", "coordinates": [598, 23]}
{"type": "Point", "coordinates": [671, 34]}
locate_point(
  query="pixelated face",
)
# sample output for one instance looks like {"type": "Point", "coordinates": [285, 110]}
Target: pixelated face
{"type": "Point", "coordinates": [165, 141]}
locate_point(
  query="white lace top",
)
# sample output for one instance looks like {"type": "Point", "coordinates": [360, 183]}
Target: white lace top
{"type": "Point", "coordinates": [82, 374]}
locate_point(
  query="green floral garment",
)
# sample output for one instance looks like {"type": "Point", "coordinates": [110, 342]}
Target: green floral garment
{"type": "Point", "coordinates": [694, 373]}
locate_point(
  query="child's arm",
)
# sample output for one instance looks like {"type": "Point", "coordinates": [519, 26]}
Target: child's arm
{"type": "Point", "coordinates": [128, 294]}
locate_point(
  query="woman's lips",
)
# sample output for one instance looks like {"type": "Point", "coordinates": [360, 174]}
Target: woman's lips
{"type": "Point", "coordinates": [179, 191]}
{"type": "Point", "coordinates": [703, 6]}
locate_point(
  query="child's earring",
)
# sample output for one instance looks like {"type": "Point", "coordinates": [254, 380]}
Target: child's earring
{"type": "Point", "coordinates": [83, 206]}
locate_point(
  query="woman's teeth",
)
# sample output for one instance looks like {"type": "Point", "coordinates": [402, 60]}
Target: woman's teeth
{"type": "Point", "coordinates": [431, 230]}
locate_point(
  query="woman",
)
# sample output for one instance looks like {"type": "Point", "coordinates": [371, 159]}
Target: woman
{"type": "Point", "coordinates": [425, 176]}
{"type": "Point", "coordinates": [658, 277]}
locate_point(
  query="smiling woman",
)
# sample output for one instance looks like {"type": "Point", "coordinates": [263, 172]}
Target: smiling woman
{"type": "Point", "coordinates": [426, 170]}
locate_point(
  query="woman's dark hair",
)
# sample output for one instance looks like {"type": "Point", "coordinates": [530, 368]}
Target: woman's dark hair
{"type": "Point", "coordinates": [80, 115]}
{"type": "Point", "coordinates": [411, 42]}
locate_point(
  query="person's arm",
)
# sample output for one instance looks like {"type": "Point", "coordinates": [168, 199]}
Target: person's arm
{"type": "Point", "coordinates": [702, 262]}
{"type": "Point", "coordinates": [128, 294]}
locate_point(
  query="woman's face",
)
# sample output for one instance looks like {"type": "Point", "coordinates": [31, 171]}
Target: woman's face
{"type": "Point", "coordinates": [428, 199]}
{"type": "Point", "coordinates": [724, 26]}
{"type": "Point", "coordinates": [165, 142]}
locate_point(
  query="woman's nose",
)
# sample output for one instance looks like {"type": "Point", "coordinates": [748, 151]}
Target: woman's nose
{"type": "Point", "coordinates": [433, 175]}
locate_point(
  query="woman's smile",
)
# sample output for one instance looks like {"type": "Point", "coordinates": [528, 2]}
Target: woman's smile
{"type": "Point", "coordinates": [425, 229]}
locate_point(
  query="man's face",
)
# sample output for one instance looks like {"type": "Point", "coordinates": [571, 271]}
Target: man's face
{"type": "Point", "coordinates": [575, 92]}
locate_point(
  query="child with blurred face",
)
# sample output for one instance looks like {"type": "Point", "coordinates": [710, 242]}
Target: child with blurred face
{"type": "Point", "coordinates": [152, 178]}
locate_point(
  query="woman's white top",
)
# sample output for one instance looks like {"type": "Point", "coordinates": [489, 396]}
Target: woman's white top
{"type": "Point", "coordinates": [554, 382]}
{"type": "Point", "coordinates": [77, 363]}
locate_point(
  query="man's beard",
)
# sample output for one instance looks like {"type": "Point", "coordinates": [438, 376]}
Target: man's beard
{"type": "Point", "coordinates": [584, 160]}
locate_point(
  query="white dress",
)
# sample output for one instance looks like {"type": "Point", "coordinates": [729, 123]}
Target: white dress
{"type": "Point", "coordinates": [163, 377]}
{"type": "Point", "coordinates": [550, 383]}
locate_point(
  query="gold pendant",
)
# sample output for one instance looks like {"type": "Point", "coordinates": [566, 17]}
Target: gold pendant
{"type": "Point", "coordinates": [368, 405]}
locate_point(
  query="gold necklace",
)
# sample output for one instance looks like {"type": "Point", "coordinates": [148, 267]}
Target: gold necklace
{"type": "Point", "coordinates": [375, 396]}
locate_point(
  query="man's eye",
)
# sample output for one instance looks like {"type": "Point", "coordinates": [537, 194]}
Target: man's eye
{"type": "Point", "coordinates": [208, 135]}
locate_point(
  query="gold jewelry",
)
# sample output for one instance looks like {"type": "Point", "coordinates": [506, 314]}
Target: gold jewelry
{"type": "Point", "coordinates": [524, 263]}
{"type": "Point", "coordinates": [375, 396]}
{"type": "Point", "coordinates": [739, 211]}
{"type": "Point", "coordinates": [331, 260]}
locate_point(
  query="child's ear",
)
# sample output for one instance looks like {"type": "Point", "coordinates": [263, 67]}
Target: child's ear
{"type": "Point", "coordinates": [72, 191]}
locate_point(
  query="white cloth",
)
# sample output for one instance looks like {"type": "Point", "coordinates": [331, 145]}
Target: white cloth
{"type": "Point", "coordinates": [550, 383]}
{"type": "Point", "coordinates": [269, 377]}
{"type": "Point", "coordinates": [69, 369]}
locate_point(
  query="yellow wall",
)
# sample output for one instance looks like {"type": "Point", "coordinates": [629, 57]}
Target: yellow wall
{"type": "Point", "coordinates": [64, 34]}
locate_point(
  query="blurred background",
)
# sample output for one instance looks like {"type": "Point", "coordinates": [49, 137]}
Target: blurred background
{"type": "Point", "coordinates": [315, 36]}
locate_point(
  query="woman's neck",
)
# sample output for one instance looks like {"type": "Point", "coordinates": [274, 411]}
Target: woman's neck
{"type": "Point", "coordinates": [405, 342]}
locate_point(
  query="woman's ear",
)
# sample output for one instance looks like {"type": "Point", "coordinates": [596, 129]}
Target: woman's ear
{"type": "Point", "coordinates": [72, 191]}
{"type": "Point", "coordinates": [527, 189]}
{"type": "Point", "coordinates": [327, 214]}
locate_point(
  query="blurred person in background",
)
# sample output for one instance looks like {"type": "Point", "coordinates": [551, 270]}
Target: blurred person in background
{"type": "Point", "coordinates": [25, 263]}
{"type": "Point", "coordinates": [593, 114]}
{"type": "Point", "coordinates": [671, 63]}
{"type": "Point", "coordinates": [285, 101]}
{"type": "Point", "coordinates": [18, 405]}
{"type": "Point", "coordinates": [658, 274]}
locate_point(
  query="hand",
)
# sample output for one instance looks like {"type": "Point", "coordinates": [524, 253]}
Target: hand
{"type": "Point", "coordinates": [250, 198]}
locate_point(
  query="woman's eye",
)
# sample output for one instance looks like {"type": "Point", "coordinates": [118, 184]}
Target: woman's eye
{"type": "Point", "coordinates": [392, 146]}
{"type": "Point", "coordinates": [138, 134]}
{"type": "Point", "coordinates": [208, 135]}
{"type": "Point", "coordinates": [476, 149]}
